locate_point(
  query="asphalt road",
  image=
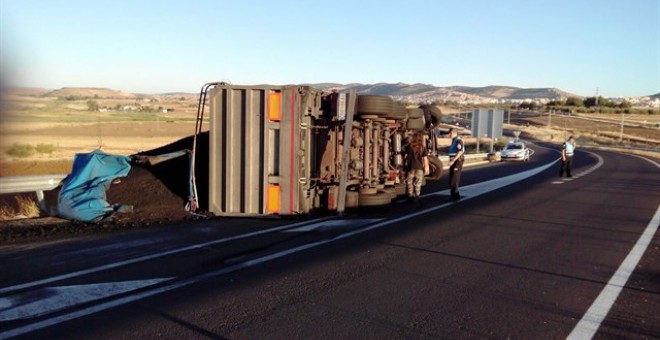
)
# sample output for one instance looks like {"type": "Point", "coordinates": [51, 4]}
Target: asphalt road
{"type": "Point", "coordinates": [524, 255]}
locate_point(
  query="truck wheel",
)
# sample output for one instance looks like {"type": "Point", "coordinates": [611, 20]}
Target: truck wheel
{"type": "Point", "coordinates": [390, 191]}
{"type": "Point", "coordinates": [399, 112]}
{"type": "Point", "coordinates": [435, 165]}
{"type": "Point", "coordinates": [380, 105]}
{"type": "Point", "coordinates": [352, 199]}
{"type": "Point", "coordinates": [400, 189]}
{"type": "Point", "coordinates": [435, 112]}
{"type": "Point", "coordinates": [416, 124]}
{"type": "Point", "coordinates": [368, 191]}
{"type": "Point", "coordinates": [415, 113]}
{"type": "Point", "coordinates": [378, 199]}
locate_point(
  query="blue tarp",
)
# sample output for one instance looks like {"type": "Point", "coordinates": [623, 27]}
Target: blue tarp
{"type": "Point", "coordinates": [82, 196]}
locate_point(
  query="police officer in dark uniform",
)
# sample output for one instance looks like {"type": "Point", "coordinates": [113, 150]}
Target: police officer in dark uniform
{"type": "Point", "coordinates": [567, 152]}
{"type": "Point", "coordinates": [456, 151]}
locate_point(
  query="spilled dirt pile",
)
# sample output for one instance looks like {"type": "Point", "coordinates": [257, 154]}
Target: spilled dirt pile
{"type": "Point", "coordinates": [158, 194]}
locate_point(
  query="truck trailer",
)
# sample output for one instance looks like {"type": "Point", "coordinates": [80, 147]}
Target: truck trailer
{"type": "Point", "coordinates": [294, 149]}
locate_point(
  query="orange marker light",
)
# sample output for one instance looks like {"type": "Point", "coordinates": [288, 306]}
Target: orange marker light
{"type": "Point", "coordinates": [275, 106]}
{"type": "Point", "coordinates": [273, 199]}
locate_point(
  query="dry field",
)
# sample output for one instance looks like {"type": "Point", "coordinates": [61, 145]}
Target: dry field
{"type": "Point", "coordinates": [597, 130]}
{"type": "Point", "coordinates": [124, 124]}
{"type": "Point", "coordinates": [69, 138]}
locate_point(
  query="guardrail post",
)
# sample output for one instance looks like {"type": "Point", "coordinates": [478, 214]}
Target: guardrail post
{"type": "Point", "coordinates": [42, 202]}
{"type": "Point", "coordinates": [32, 183]}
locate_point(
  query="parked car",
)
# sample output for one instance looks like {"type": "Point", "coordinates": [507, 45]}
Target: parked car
{"type": "Point", "coordinates": [515, 151]}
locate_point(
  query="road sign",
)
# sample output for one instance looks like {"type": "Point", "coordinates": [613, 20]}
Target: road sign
{"type": "Point", "coordinates": [487, 123]}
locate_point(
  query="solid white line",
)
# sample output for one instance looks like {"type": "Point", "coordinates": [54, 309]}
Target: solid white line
{"type": "Point", "coordinates": [481, 188]}
{"type": "Point", "coordinates": [54, 299]}
{"type": "Point", "coordinates": [590, 322]}
{"type": "Point", "coordinates": [333, 225]}
{"type": "Point", "coordinates": [585, 172]}
{"type": "Point", "coordinates": [150, 257]}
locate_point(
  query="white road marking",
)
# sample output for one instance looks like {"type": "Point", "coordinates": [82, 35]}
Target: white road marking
{"type": "Point", "coordinates": [48, 300]}
{"type": "Point", "coordinates": [587, 327]}
{"type": "Point", "coordinates": [148, 257]}
{"type": "Point", "coordinates": [590, 322]}
{"type": "Point", "coordinates": [333, 225]}
{"type": "Point", "coordinates": [477, 189]}
{"type": "Point", "coordinates": [585, 172]}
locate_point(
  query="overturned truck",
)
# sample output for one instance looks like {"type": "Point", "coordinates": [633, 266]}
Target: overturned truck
{"type": "Point", "coordinates": [289, 150]}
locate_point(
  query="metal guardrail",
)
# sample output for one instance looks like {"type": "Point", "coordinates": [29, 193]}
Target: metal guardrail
{"type": "Point", "coordinates": [469, 158]}
{"type": "Point", "coordinates": [32, 183]}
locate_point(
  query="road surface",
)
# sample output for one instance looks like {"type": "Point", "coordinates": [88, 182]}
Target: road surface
{"type": "Point", "coordinates": [525, 254]}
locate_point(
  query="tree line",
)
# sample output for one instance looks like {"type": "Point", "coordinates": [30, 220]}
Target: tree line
{"type": "Point", "coordinates": [589, 102]}
{"type": "Point", "coordinates": [587, 105]}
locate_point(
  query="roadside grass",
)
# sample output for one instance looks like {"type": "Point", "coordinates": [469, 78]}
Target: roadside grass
{"type": "Point", "coordinates": [45, 148]}
{"type": "Point", "coordinates": [26, 150]}
{"type": "Point", "coordinates": [21, 150]}
{"type": "Point", "coordinates": [20, 207]}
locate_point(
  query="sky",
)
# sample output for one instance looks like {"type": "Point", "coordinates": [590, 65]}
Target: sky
{"type": "Point", "coordinates": [609, 47]}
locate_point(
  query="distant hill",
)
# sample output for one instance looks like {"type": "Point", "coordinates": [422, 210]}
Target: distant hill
{"type": "Point", "coordinates": [177, 95]}
{"type": "Point", "coordinates": [26, 91]}
{"type": "Point", "coordinates": [429, 93]}
{"type": "Point", "coordinates": [91, 92]}
{"type": "Point", "coordinates": [508, 92]}
{"type": "Point", "coordinates": [414, 93]}
{"type": "Point", "coordinates": [655, 96]}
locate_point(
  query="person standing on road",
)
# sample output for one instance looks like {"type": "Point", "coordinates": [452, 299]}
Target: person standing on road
{"type": "Point", "coordinates": [456, 151]}
{"type": "Point", "coordinates": [415, 167]}
{"type": "Point", "coordinates": [567, 152]}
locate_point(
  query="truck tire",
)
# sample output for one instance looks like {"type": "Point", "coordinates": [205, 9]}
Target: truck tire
{"type": "Point", "coordinates": [415, 113]}
{"type": "Point", "coordinates": [400, 189]}
{"type": "Point", "coordinates": [435, 166]}
{"type": "Point", "coordinates": [416, 124]}
{"type": "Point", "coordinates": [352, 199]}
{"type": "Point", "coordinates": [378, 105]}
{"type": "Point", "coordinates": [375, 200]}
{"type": "Point", "coordinates": [399, 112]}
{"type": "Point", "coordinates": [435, 113]}
{"type": "Point", "coordinates": [390, 191]}
{"type": "Point", "coordinates": [368, 191]}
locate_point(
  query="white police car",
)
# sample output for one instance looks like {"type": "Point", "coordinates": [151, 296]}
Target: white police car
{"type": "Point", "coordinates": [515, 151]}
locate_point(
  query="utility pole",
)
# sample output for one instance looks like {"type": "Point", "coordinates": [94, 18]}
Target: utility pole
{"type": "Point", "coordinates": [597, 88]}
